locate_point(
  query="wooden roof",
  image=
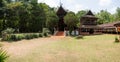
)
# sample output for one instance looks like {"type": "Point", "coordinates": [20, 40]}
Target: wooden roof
{"type": "Point", "coordinates": [112, 24]}
{"type": "Point", "coordinates": [61, 11]}
{"type": "Point", "coordinates": [89, 14]}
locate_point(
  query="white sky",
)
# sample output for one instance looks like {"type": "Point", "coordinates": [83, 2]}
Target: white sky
{"type": "Point", "coordinates": [77, 5]}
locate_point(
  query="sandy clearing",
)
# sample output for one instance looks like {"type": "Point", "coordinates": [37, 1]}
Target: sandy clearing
{"type": "Point", "coordinates": [25, 46]}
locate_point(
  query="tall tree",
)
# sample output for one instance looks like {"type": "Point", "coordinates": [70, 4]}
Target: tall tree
{"type": "Point", "coordinates": [81, 13]}
{"type": "Point", "coordinates": [104, 17]}
{"type": "Point", "coordinates": [117, 15]}
{"type": "Point", "coordinates": [71, 20]}
{"type": "Point", "coordinates": [24, 17]}
{"type": "Point", "coordinates": [52, 21]}
{"type": "Point", "coordinates": [38, 16]}
{"type": "Point", "coordinates": [2, 14]}
{"type": "Point", "coordinates": [2, 8]}
{"type": "Point", "coordinates": [12, 18]}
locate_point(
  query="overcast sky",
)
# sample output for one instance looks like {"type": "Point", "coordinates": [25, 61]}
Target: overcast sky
{"type": "Point", "coordinates": [76, 5]}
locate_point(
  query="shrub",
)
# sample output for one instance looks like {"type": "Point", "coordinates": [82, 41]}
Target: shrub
{"type": "Point", "coordinates": [35, 35]}
{"type": "Point", "coordinates": [8, 30]}
{"type": "Point", "coordinates": [45, 32]}
{"type": "Point", "coordinates": [13, 37]}
{"type": "Point", "coordinates": [29, 36]}
{"type": "Point", "coordinates": [6, 33]}
{"type": "Point", "coordinates": [79, 37]}
{"type": "Point", "coordinates": [40, 35]}
{"type": "Point", "coordinates": [17, 37]}
{"type": "Point", "coordinates": [116, 40]}
{"type": "Point", "coordinates": [3, 55]}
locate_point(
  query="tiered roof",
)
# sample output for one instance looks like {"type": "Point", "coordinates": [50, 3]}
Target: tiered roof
{"type": "Point", "coordinates": [89, 14]}
{"type": "Point", "coordinates": [61, 11]}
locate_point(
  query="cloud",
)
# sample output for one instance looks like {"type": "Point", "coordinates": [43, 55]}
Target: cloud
{"type": "Point", "coordinates": [105, 2]}
{"type": "Point", "coordinates": [73, 5]}
{"type": "Point", "coordinates": [113, 10]}
{"type": "Point", "coordinates": [51, 3]}
{"type": "Point", "coordinates": [77, 7]}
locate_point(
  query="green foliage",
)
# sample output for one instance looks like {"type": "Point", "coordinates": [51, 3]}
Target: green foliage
{"type": "Point", "coordinates": [51, 17]}
{"type": "Point", "coordinates": [40, 35]}
{"type": "Point", "coordinates": [3, 55]}
{"type": "Point", "coordinates": [117, 40]}
{"type": "Point", "coordinates": [28, 36]}
{"type": "Point", "coordinates": [28, 16]}
{"type": "Point", "coordinates": [104, 17]}
{"type": "Point", "coordinates": [79, 37]}
{"type": "Point", "coordinates": [45, 32]}
{"type": "Point", "coordinates": [8, 31]}
{"type": "Point", "coordinates": [2, 8]}
{"type": "Point", "coordinates": [18, 37]}
{"type": "Point", "coordinates": [71, 20]}
{"type": "Point", "coordinates": [81, 13]}
{"type": "Point", "coordinates": [38, 18]}
{"type": "Point", "coordinates": [13, 37]}
{"type": "Point", "coordinates": [52, 21]}
{"type": "Point", "coordinates": [35, 35]}
{"type": "Point", "coordinates": [117, 15]}
{"type": "Point", "coordinates": [25, 16]}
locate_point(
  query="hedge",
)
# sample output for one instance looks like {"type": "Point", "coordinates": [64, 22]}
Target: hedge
{"type": "Point", "coordinates": [18, 37]}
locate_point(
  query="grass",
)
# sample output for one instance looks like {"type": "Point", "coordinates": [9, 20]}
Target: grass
{"type": "Point", "coordinates": [97, 48]}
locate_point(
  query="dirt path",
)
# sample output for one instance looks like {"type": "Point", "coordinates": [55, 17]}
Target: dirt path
{"type": "Point", "coordinates": [23, 47]}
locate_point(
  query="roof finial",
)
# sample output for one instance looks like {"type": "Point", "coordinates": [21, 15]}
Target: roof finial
{"type": "Point", "coordinates": [60, 3]}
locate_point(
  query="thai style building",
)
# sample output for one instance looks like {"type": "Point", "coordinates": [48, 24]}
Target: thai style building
{"type": "Point", "coordinates": [61, 13]}
{"type": "Point", "coordinates": [113, 27]}
{"type": "Point", "coordinates": [88, 24]}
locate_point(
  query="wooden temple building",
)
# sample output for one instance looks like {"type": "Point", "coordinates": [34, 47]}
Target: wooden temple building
{"type": "Point", "coordinates": [61, 13]}
{"type": "Point", "coordinates": [111, 28]}
{"type": "Point", "coordinates": [88, 24]}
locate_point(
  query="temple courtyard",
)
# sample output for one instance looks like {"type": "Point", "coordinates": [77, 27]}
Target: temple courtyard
{"type": "Point", "coordinates": [96, 48]}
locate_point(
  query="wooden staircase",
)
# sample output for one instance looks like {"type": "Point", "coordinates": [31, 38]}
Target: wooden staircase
{"type": "Point", "coordinates": [60, 33]}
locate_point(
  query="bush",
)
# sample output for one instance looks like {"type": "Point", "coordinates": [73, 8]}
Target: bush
{"type": "Point", "coordinates": [28, 36]}
{"type": "Point", "coordinates": [17, 37]}
{"type": "Point", "coordinates": [13, 37]}
{"type": "Point", "coordinates": [117, 40]}
{"type": "Point", "coordinates": [8, 31]}
{"type": "Point", "coordinates": [40, 35]}
{"type": "Point", "coordinates": [35, 35]}
{"type": "Point", "coordinates": [6, 38]}
{"type": "Point", "coordinates": [45, 32]}
{"type": "Point", "coordinates": [3, 55]}
{"type": "Point", "coordinates": [79, 37]}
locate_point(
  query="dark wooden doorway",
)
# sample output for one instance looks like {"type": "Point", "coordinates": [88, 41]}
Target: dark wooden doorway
{"type": "Point", "coordinates": [61, 25]}
{"type": "Point", "coordinates": [91, 31]}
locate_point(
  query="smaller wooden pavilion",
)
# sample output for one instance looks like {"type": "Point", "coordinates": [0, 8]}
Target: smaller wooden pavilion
{"type": "Point", "coordinates": [88, 24]}
{"type": "Point", "coordinates": [113, 27]}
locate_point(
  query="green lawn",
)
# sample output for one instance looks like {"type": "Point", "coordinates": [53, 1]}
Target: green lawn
{"type": "Point", "coordinates": [97, 48]}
